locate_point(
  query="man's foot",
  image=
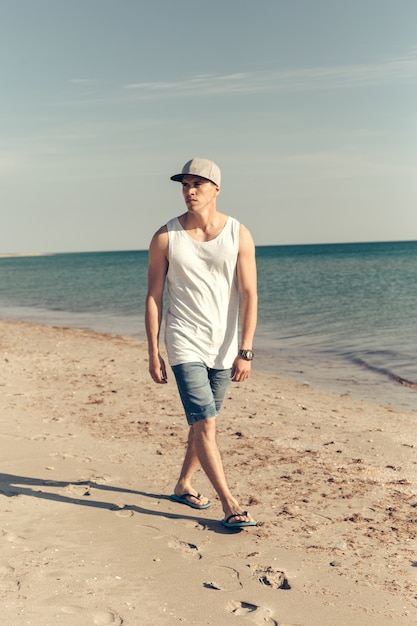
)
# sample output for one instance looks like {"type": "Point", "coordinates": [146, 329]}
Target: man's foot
{"type": "Point", "coordinates": [196, 501]}
{"type": "Point", "coordinates": [238, 520]}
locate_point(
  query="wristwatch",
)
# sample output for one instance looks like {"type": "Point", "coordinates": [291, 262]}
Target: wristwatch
{"type": "Point", "coordinates": [246, 354]}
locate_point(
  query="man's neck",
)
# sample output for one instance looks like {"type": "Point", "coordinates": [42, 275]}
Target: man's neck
{"type": "Point", "coordinates": [201, 219]}
{"type": "Point", "coordinates": [203, 226]}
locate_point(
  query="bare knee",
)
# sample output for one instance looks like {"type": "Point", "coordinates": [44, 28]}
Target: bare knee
{"type": "Point", "coordinates": [204, 429]}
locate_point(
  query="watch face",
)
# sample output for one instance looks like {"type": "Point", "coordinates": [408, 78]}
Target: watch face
{"type": "Point", "coordinates": [247, 354]}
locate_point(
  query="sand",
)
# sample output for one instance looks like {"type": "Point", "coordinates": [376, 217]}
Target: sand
{"type": "Point", "coordinates": [91, 448]}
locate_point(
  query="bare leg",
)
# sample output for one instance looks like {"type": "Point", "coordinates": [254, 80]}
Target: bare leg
{"type": "Point", "coordinates": [189, 467]}
{"type": "Point", "coordinates": [207, 452]}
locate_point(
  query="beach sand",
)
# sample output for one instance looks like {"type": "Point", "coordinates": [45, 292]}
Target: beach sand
{"type": "Point", "coordinates": [91, 449]}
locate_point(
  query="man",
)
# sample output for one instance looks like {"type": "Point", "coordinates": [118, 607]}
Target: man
{"type": "Point", "coordinates": [208, 260]}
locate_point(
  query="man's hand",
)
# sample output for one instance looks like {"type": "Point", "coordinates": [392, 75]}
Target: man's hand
{"type": "Point", "coordinates": [157, 369]}
{"type": "Point", "coordinates": [240, 369]}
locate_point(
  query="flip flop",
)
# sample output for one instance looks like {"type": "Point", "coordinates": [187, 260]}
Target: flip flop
{"type": "Point", "coordinates": [229, 524]}
{"type": "Point", "coordinates": [183, 500]}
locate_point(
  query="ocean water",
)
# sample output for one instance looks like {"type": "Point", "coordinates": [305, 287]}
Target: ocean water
{"type": "Point", "coordinates": [342, 317]}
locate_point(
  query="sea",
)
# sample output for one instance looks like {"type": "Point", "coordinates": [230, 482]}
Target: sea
{"type": "Point", "coordinates": [341, 317]}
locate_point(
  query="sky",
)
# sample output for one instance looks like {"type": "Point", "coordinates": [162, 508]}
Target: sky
{"type": "Point", "coordinates": [308, 107]}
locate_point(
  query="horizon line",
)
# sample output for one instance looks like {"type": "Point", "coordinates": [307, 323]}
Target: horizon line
{"type": "Point", "coordinates": [8, 255]}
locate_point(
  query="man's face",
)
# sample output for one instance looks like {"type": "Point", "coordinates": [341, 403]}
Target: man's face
{"type": "Point", "coordinates": [198, 192]}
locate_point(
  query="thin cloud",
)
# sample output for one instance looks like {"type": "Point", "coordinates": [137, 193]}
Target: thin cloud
{"type": "Point", "coordinates": [81, 81]}
{"type": "Point", "coordinates": [208, 83]}
{"type": "Point", "coordinates": [342, 164]}
{"type": "Point", "coordinates": [399, 70]}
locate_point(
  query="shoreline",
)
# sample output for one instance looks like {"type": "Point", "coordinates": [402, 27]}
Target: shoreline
{"type": "Point", "coordinates": [91, 452]}
{"type": "Point", "coordinates": [332, 374]}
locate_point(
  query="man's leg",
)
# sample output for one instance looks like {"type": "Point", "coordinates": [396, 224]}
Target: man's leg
{"type": "Point", "coordinates": [202, 392]}
{"type": "Point", "coordinates": [189, 467]}
{"type": "Point", "coordinates": [208, 454]}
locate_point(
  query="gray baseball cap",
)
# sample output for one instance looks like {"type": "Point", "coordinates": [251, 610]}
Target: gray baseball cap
{"type": "Point", "coordinates": [200, 167]}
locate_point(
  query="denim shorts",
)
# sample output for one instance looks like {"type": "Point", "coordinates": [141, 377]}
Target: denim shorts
{"type": "Point", "coordinates": [202, 389]}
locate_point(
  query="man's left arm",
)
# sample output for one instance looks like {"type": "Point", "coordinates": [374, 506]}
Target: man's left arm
{"type": "Point", "coordinates": [246, 271]}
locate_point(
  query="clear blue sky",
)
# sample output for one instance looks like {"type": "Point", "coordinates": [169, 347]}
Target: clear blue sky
{"type": "Point", "coordinates": [309, 107]}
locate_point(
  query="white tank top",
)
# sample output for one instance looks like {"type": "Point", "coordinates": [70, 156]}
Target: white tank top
{"type": "Point", "coordinates": [202, 317]}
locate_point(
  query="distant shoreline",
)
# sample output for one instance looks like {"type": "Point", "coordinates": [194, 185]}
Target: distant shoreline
{"type": "Point", "coordinates": [24, 254]}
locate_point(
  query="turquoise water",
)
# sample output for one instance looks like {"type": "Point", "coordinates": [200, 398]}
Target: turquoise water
{"type": "Point", "coordinates": [339, 316]}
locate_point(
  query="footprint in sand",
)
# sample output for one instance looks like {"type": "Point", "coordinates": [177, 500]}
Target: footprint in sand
{"type": "Point", "coordinates": [270, 577]}
{"type": "Point", "coordinates": [187, 549]}
{"type": "Point", "coordinates": [7, 583]}
{"type": "Point", "coordinates": [12, 537]}
{"type": "Point", "coordinates": [6, 570]}
{"type": "Point", "coordinates": [48, 420]}
{"type": "Point", "coordinates": [99, 618]}
{"type": "Point", "coordinates": [194, 525]}
{"type": "Point", "coordinates": [78, 490]}
{"type": "Point", "coordinates": [120, 457]}
{"type": "Point", "coordinates": [223, 578]}
{"type": "Point", "coordinates": [122, 512]}
{"type": "Point", "coordinates": [257, 614]}
{"type": "Point", "coordinates": [63, 456]}
{"type": "Point", "coordinates": [100, 478]}
{"type": "Point", "coordinates": [149, 533]}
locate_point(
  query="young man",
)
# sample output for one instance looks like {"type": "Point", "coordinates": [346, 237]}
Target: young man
{"type": "Point", "coordinates": [208, 260]}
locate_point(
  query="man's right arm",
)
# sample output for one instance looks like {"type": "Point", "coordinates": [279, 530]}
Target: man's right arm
{"type": "Point", "coordinates": [157, 271]}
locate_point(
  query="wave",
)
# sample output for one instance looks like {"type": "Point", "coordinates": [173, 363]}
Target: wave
{"type": "Point", "coordinates": [384, 372]}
